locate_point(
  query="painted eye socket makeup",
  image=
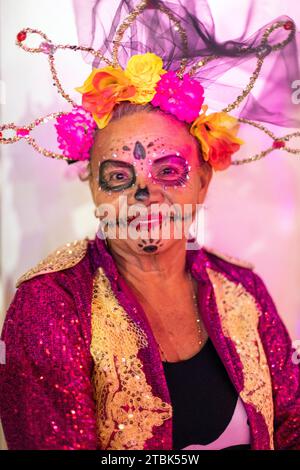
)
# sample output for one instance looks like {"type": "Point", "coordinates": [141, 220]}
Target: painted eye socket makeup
{"type": "Point", "coordinates": [117, 175]}
{"type": "Point", "coordinates": [171, 170]}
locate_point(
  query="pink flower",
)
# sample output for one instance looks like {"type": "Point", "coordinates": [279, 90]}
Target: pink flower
{"type": "Point", "coordinates": [181, 97]}
{"type": "Point", "coordinates": [75, 132]}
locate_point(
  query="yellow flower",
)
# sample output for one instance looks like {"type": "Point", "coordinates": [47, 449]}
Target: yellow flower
{"type": "Point", "coordinates": [217, 135]}
{"type": "Point", "coordinates": [102, 90]}
{"type": "Point", "coordinates": [144, 71]}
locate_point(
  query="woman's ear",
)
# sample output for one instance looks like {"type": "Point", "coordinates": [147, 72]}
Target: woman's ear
{"type": "Point", "coordinates": [205, 175]}
{"type": "Point", "coordinates": [84, 173]}
{"type": "Point", "coordinates": [90, 177]}
{"type": "Point", "coordinates": [92, 182]}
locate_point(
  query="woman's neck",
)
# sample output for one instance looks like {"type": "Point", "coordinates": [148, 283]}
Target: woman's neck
{"type": "Point", "coordinates": [150, 270]}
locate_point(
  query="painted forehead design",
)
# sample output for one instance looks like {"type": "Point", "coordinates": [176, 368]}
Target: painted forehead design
{"type": "Point", "coordinates": [140, 148]}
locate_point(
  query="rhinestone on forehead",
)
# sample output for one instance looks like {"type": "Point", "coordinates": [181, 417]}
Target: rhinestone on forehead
{"type": "Point", "coordinates": [139, 151]}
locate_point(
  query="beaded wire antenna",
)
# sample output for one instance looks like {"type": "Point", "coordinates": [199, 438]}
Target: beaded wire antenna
{"type": "Point", "coordinates": [75, 128]}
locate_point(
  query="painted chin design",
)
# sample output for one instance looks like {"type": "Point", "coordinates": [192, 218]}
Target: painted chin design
{"type": "Point", "coordinates": [150, 246]}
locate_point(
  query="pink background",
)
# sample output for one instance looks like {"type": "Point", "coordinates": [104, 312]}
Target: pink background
{"type": "Point", "coordinates": [252, 211]}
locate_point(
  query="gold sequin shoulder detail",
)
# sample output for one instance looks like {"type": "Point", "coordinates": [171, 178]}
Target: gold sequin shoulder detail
{"type": "Point", "coordinates": [230, 259]}
{"type": "Point", "coordinates": [64, 257]}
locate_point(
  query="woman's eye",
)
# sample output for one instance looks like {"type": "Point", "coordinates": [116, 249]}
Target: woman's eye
{"type": "Point", "coordinates": [117, 176]}
{"type": "Point", "coordinates": [168, 171]}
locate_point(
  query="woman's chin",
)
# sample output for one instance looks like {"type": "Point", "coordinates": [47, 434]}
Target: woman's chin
{"type": "Point", "coordinates": [149, 238]}
{"type": "Point", "coordinates": [146, 245]}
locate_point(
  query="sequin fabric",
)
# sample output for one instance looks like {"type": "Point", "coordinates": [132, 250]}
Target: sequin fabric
{"type": "Point", "coordinates": [285, 375]}
{"type": "Point", "coordinates": [47, 392]}
{"type": "Point", "coordinates": [127, 411]}
{"type": "Point", "coordinates": [46, 397]}
{"type": "Point", "coordinates": [239, 317]}
{"type": "Point", "coordinates": [63, 258]}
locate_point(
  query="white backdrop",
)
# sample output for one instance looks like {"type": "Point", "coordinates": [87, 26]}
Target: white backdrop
{"type": "Point", "coordinates": [253, 211]}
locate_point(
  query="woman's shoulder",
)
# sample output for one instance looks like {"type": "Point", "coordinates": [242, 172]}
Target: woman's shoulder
{"type": "Point", "coordinates": [218, 255]}
{"type": "Point", "coordinates": [64, 257]}
{"type": "Point", "coordinates": [236, 270]}
{"type": "Point", "coordinates": [53, 291]}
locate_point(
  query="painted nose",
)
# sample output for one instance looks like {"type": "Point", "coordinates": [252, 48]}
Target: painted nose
{"type": "Point", "coordinates": [142, 194]}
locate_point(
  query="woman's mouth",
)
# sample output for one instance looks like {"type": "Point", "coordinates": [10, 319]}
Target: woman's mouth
{"type": "Point", "coordinates": [150, 220]}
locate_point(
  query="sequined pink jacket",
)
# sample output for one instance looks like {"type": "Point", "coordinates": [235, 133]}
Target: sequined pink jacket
{"type": "Point", "coordinates": [77, 339]}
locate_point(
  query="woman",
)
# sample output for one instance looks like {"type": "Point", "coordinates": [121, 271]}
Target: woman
{"type": "Point", "coordinates": [136, 341]}
{"type": "Point", "coordinates": [101, 341]}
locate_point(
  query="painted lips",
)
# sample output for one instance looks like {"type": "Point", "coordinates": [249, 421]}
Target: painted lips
{"type": "Point", "coordinates": [149, 221]}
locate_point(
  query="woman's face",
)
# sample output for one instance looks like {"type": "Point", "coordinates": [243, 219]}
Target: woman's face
{"type": "Point", "coordinates": [142, 163]}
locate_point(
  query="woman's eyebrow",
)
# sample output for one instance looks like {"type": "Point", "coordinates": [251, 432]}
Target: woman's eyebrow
{"type": "Point", "coordinates": [115, 162]}
{"type": "Point", "coordinates": [169, 157]}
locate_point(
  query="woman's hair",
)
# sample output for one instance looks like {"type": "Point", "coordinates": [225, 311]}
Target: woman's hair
{"type": "Point", "coordinates": [126, 108]}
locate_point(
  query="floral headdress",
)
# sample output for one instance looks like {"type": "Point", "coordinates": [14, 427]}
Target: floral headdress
{"type": "Point", "coordinates": [174, 87]}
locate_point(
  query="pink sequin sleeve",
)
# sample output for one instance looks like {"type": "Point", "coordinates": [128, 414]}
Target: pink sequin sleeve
{"type": "Point", "coordinates": [46, 394]}
{"type": "Point", "coordinates": [284, 371]}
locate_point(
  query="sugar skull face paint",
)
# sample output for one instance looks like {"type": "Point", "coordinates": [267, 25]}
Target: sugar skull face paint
{"type": "Point", "coordinates": [149, 159]}
{"type": "Point", "coordinates": [171, 170]}
{"type": "Point", "coordinates": [139, 151]}
{"type": "Point", "coordinates": [118, 175]}
{"type": "Point", "coordinates": [150, 246]}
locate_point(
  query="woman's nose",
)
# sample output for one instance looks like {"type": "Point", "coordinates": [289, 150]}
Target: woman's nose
{"type": "Point", "coordinates": [145, 191]}
{"type": "Point", "coordinates": [142, 194]}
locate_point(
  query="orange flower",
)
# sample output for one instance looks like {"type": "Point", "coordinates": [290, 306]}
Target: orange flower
{"type": "Point", "coordinates": [102, 90]}
{"type": "Point", "coordinates": [217, 135]}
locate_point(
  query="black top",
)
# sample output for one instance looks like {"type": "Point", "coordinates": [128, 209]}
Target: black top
{"type": "Point", "coordinates": [202, 396]}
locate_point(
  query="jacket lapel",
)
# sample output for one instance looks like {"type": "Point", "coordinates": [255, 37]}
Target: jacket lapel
{"type": "Point", "coordinates": [231, 317]}
{"type": "Point", "coordinates": [133, 404]}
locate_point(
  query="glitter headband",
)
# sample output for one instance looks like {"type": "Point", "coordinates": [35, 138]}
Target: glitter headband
{"type": "Point", "coordinates": [175, 88]}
